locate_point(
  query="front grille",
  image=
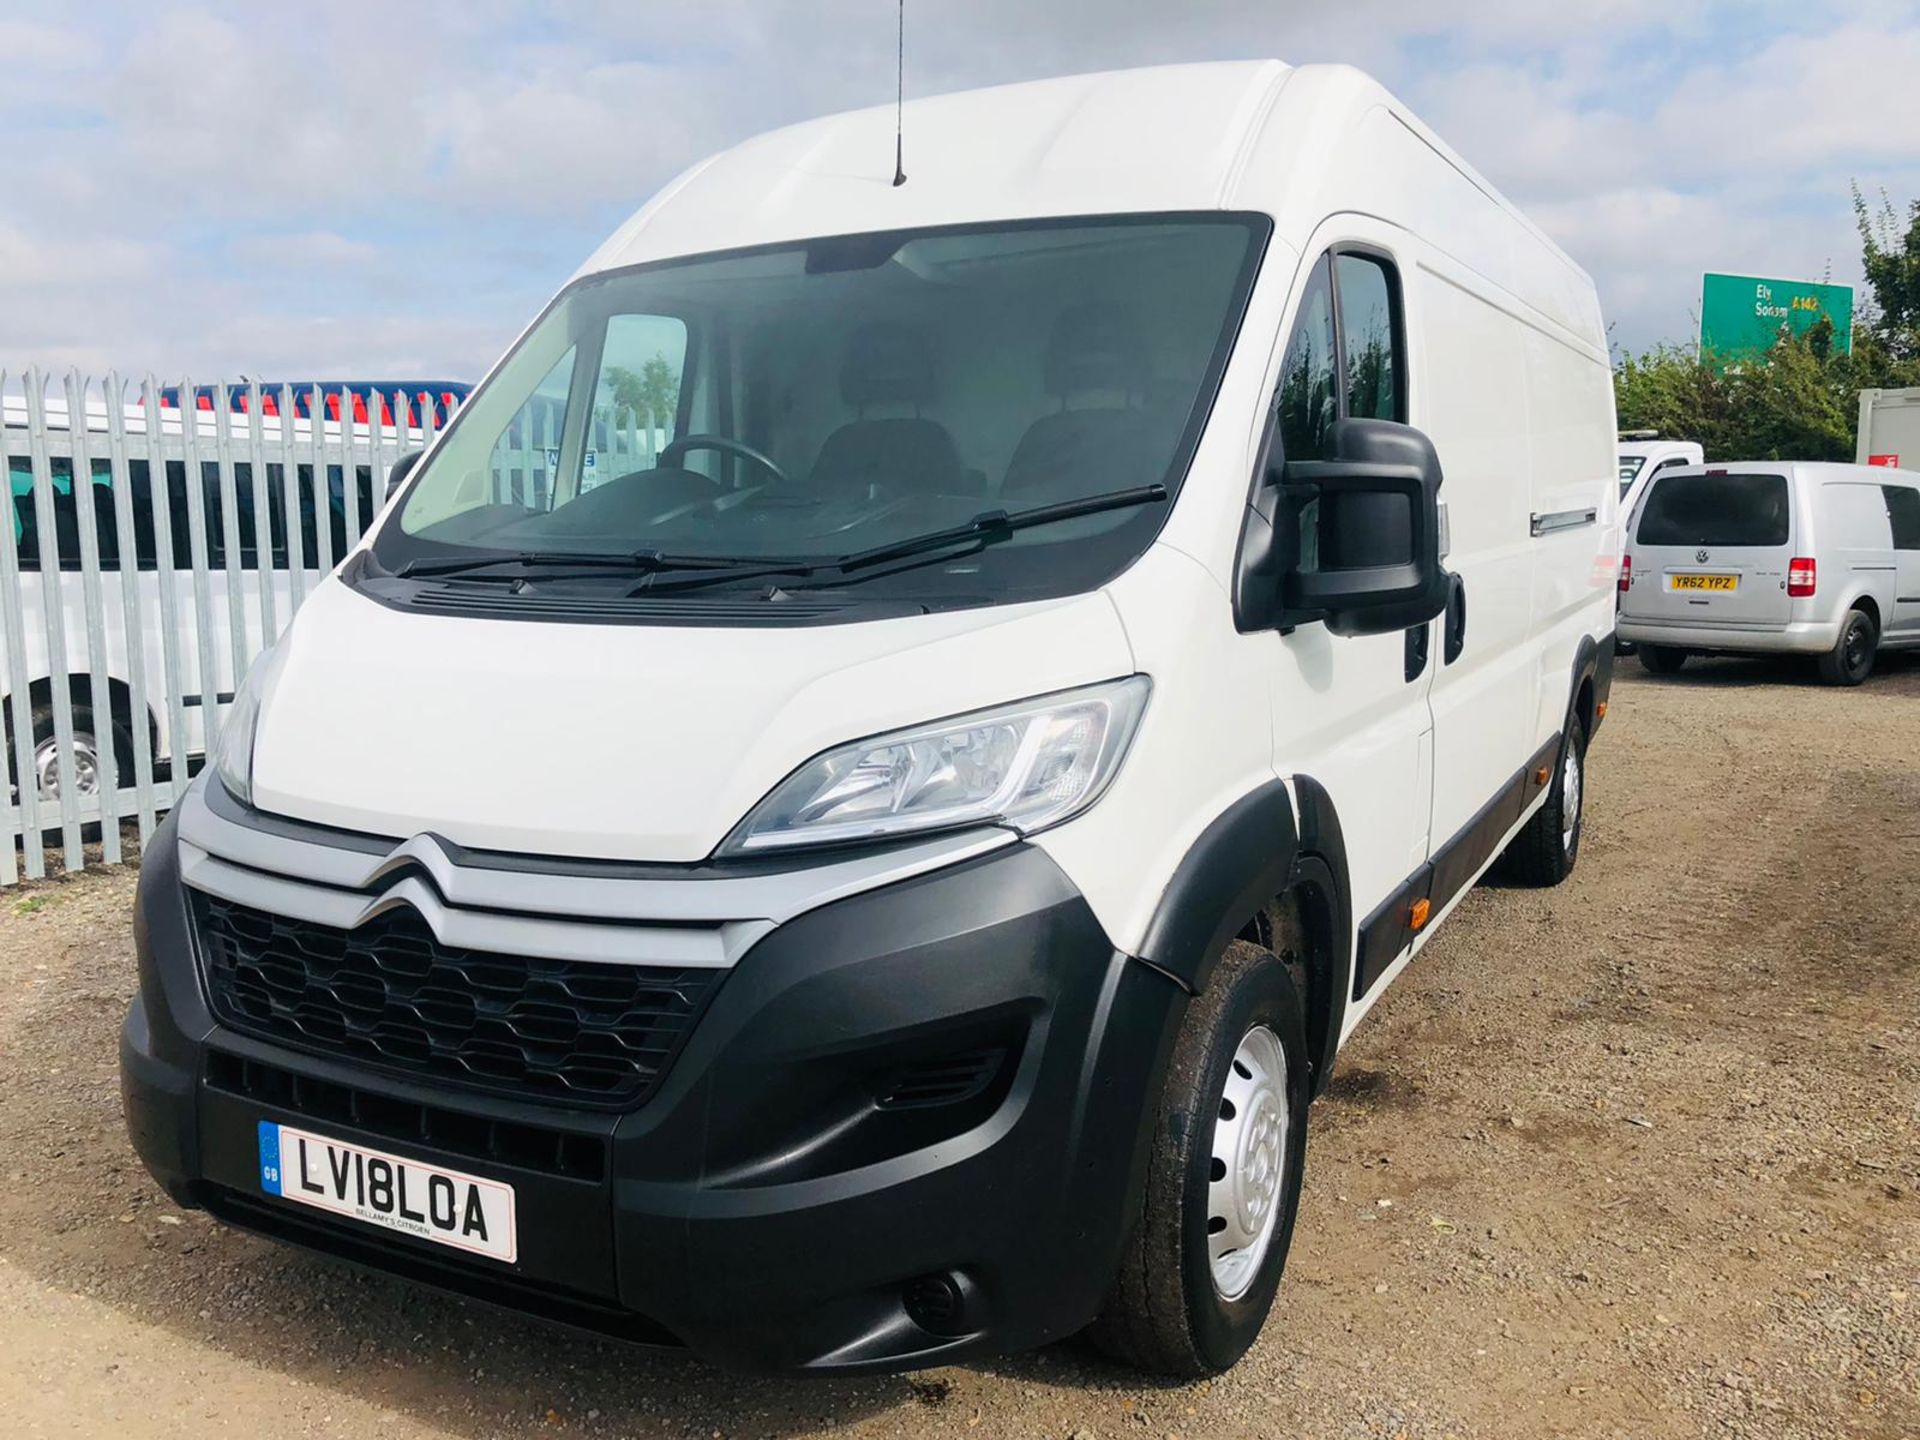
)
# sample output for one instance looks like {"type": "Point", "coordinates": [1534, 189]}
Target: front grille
{"type": "Point", "coordinates": [563, 1153]}
{"type": "Point", "coordinates": [390, 993]}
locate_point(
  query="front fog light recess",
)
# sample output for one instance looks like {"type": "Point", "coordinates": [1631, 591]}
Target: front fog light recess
{"type": "Point", "coordinates": [1027, 766]}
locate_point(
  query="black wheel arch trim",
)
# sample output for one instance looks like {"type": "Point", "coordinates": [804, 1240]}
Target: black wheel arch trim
{"type": "Point", "coordinates": [1593, 661]}
{"type": "Point", "coordinates": [1255, 851]}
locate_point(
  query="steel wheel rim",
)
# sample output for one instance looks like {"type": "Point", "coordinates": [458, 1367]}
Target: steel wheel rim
{"type": "Point", "coordinates": [1249, 1163]}
{"type": "Point", "coordinates": [86, 768]}
{"type": "Point", "coordinates": [1856, 644]}
{"type": "Point", "coordinates": [1569, 796]}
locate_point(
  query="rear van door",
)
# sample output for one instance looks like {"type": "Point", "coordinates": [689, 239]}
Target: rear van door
{"type": "Point", "coordinates": [1710, 547]}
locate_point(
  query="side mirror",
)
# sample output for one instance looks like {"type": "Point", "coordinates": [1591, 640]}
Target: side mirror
{"type": "Point", "coordinates": [397, 476]}
{"type": "Point", "coordinates": [1353, 540]}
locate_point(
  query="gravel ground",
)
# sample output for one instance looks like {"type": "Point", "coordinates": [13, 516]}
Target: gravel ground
{"type": "Point", "coordinates": [1635, 1157]}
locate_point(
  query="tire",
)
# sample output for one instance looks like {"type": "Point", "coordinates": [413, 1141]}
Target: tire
{"type": "Point", "coordinates": [1548, 846]}
{"type": "Point", "coordinates": [1662, 659]}
{"type": "Point", "coordinates": [1851, 659]}
{"type": "Point", "coordinates": [1170, 1310]}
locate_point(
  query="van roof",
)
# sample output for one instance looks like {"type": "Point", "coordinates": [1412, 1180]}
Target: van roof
{"type": "Point", "coordinates": [1160, 138]}
{"type": "Point", "coordinates": [1819, 472]}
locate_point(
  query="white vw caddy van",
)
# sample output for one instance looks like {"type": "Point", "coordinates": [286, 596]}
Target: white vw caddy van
{"type": "Point", "coordinates": [1774, 557]}
{"type": "Point", "coordinates": [859, 852]}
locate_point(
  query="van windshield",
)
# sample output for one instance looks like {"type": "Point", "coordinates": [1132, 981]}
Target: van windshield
{"type": "Point", "coordinates": [832, 397]}
{"type": "Point", "coordinates": [1715, 509]}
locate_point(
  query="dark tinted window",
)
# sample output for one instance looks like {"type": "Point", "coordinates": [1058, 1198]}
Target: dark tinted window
{"type": "Point", "coordinates": [1309, 386]}
{"type": "Point", "coordinates": [852, 393]}
{"type": "Point", "coordinates": [1715, 510]}
{"type": "Point", "coordinates": [1369, 337]}
{"type": "Point", "coordinates": [1903, 508]}
{"type": "Point", "coordinates": [99, 503]}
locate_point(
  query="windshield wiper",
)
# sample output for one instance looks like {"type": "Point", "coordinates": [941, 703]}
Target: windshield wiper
{"type": "Point", "coordinates": [692, 571]}
{"type": "Point", "coordinates": [631, 562]}
{"type": "Point", "coordinates": [994, 525]}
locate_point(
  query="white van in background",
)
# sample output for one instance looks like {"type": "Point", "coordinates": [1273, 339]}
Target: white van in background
{"type": "Point", "coordinates": [131, 605]}
{"type": "Point", "coordinates": [1774, 557]}
{"type": "Point", "coordinates": [880, 881]}
{"type": "Point", "coordinates": [1644, 454]}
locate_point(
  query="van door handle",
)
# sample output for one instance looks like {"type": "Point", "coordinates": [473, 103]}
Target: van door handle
{"type": "Point", "coordinates": [1456, 618]}
{"type": "Point", "coordinates": [1417, 651]}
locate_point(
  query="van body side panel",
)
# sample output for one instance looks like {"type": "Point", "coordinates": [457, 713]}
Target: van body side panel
{"type": "Point", "coordinates": [1902, 491]}
{"type": "Point", "coordinates": [1471, 397]}
{"type": "Point", "coordinates": [1204, 744]}
{"type": "Point", "coordinates": [1570, 422]}
{"type": "Point", "coordinates": [1859, 539]}
{"type": "Point", "coordinates": [1487, 295]}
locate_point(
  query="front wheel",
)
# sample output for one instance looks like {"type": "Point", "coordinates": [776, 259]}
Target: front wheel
{"type": "Point", "coordinates": [1851, 659]}
{"type": "Point", "coordinates": [1200, 1269]}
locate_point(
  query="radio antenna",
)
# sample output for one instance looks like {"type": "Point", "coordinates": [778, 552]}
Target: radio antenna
{"type": "Point", "coordinates": [900, 100]}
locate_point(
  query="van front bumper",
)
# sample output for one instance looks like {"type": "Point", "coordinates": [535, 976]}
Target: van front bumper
{"type": "Point", "coordinates": [1801, 637]}
{"type": "Point", "coordinates": [776, 1203]}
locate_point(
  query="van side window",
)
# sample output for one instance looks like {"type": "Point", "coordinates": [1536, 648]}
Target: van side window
{"type": "Point", "coordinates": [1369, 329]}
{"type": "Point", "coordinates": [1903, 509]}
{"type": "Point", "coordinates": [1309, 386]}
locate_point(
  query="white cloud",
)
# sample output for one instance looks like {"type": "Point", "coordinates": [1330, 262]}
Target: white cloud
{"type": "Point", "coordinates": [1845, 98]}
{"type": "Point", "coordinates": [44, 48]}
{"type": "Point", "coordinates": [366, 185]}
{"type": "Point", "coordinates": [316, 249]}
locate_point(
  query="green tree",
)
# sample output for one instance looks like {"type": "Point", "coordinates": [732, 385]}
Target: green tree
{"type": "Point", "coordinates": [649, 396]}
{"type": "Point", "coordinates": [1797, 402]}
{"type": "Point", "coordinates": [1890, 257]}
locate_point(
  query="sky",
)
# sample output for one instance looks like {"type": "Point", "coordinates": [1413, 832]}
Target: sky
{"type": "Point", "coordinates": [390, 190]}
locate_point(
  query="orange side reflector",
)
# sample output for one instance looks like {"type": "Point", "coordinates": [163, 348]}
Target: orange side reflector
{"type": "Point", "coordinates": [1542, 775]}
{"type": "Point", "coordinates": [1422, 908]}
{"type": "Point", "coordinates": [1600, 711]}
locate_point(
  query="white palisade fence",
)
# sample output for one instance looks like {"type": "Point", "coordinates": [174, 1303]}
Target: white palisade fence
{"type": "Point", "coordinates": [150, 549]}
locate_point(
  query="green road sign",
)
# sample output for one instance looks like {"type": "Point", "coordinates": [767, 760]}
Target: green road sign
{"type": "Point", "coordinates": [1742, 314]}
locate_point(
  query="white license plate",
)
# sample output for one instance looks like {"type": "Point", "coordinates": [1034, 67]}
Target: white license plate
{"type": "Point", "coordinates": [444, 1206]}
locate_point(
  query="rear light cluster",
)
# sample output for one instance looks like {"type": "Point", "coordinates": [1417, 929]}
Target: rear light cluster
{"type": "Point", "coordinates": [1800, 576]}
{"type": "Point", "coordinates": [1626, 573]}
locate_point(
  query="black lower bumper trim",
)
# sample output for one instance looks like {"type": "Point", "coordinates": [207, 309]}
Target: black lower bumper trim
{"type": "Point", "coordinates": [358, 1246]}
{"type": "Point", "coordinates": [946, 1084]}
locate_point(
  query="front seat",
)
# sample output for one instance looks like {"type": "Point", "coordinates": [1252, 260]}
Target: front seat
{"type": "Point", "coordinates": [1099, 439]}
{"type": "Point", "coordinates": [887, 365]}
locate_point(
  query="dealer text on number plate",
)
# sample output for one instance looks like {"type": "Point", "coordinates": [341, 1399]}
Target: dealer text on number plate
{"type": "Point", "coordinates": [445, 1206]}
{"type": "Point", "coordinates": [1705, 582]}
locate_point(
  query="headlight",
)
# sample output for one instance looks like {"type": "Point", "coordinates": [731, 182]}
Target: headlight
{"type": "Point", "coordinates": [233, 757]}
{"type": "Point", "coordinates": [1027, 766]}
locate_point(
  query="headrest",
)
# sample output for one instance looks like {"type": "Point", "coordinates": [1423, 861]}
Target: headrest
{"type": "Point", "coordinates": [886, 365]}
{"type": "Point", "coordinates": [1095, 347]}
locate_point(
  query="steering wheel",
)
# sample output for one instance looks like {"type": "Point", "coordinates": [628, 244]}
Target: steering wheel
{"type": "Point", "coordinates": [672, 453]}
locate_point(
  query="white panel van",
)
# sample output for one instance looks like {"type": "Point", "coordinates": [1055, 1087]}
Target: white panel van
{"type": "Point", "coordinates": [1645, 454]}
{"type": "Point", "coordinates": [1772, 557]}
{"type": "Point", "coordinates": [881, 882]}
